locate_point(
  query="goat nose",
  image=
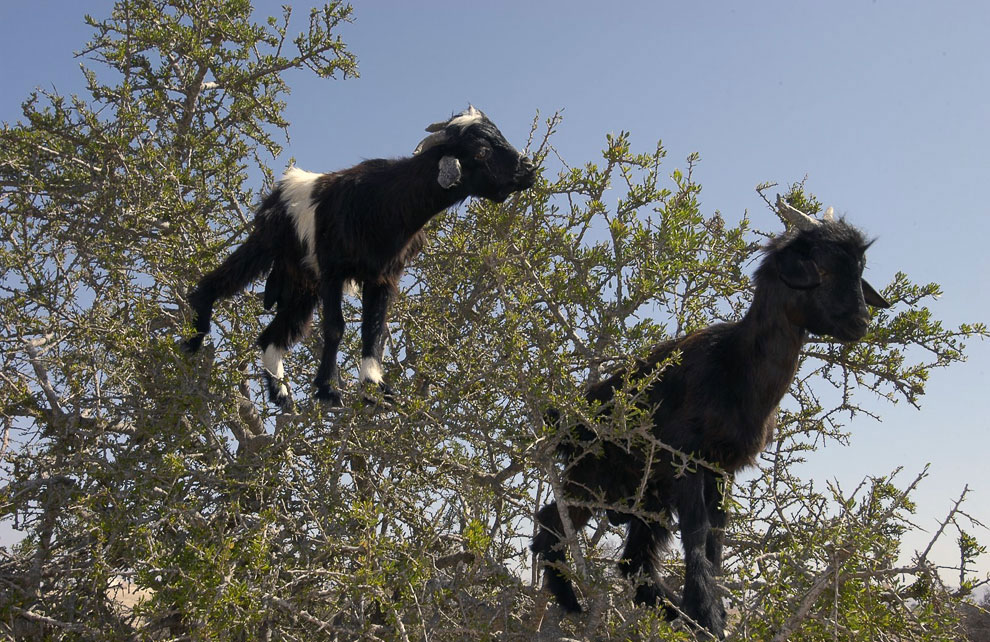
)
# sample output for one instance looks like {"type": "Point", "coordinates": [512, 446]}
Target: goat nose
{"type": "Point", "coordinates": [527, 163]}
{"type": "Point", "coordinates": [862, 324]}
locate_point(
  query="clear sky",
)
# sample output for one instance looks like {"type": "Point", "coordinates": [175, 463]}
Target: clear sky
{"type": "Point", "coordinates": [885, 105]}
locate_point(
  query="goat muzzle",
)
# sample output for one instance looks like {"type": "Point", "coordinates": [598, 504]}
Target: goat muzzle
{"type": "Point", "coordinates": [854, 330]}
{"type": "Point", "coordinates": [526, 173]}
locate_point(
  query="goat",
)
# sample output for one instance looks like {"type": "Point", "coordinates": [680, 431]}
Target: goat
{"type": "Point", "coordinates": [717, 403]}
{"type": "Point", "coordinates": [315, 232]}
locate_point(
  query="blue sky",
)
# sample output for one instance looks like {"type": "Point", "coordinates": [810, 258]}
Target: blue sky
{"type": "Point", "coordinates": [884, 105]}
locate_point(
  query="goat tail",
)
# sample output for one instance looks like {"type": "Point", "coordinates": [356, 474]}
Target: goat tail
{"type": "Point", "coordinates": [245, 264]}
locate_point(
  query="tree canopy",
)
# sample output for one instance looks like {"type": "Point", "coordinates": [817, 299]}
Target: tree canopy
{"type": "Point", "coordinates": [160, 497]}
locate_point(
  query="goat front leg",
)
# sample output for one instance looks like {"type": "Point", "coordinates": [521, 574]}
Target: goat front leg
{"type": "Point", "coordinates": [332, 292]}
{"type": "Point", "coordinates": [716, 485]}
{"type": "Point", "coordinates": [701, 601]}
{"type": "Point", "coordinates": [374, 308]}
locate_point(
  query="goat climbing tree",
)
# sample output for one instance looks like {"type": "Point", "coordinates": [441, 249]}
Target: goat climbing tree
{"type": "Point", "coordinates": [158, 496]}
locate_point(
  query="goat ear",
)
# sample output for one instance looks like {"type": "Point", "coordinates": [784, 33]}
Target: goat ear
{"type": "Point", "coordinates": [450, 172]}
{"type": "Point", "coordinates": [797, 271]}
{"type": "Point", "coordinates": [872, 297]}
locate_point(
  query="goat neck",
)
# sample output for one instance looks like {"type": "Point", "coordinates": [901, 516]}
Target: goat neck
{"type": "Point", "coordinates": [422, 198]}
{"type": "Point", "coordinates": [771, 343]}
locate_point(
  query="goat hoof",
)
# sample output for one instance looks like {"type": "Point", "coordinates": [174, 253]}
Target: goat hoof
{"type": "Point", "coordinates": [388, 392]}
{"type": "Point", "coordinates": [192, 344]}
{"type": "Point", "coordinates": [713, 622]}
{"type": "Point", "coordinates": [572, 607]}
{"type": "Point", "coordinates": [384, 393]}
{"type": "Point", "coordinates": [566, 598]}
{"type": "Point", "coordinates": [669, 612]}
{"type": "Point", "coordinates": [648, 595]}
{"type": "Point", "coordinates": [329, 396]}
{"type": "Point", "coordinates": [278, 393]}
{"type": "Point", "coordinates": [655, 596]}
{"type": "Point", "coordinates": [280, 398]}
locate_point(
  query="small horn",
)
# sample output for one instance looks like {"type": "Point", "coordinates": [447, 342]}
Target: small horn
{"type": "Point", "coordinates": [800, 220]}
{"type": "Point", "coordinates": [829, 214]}
{"type": "Point", "coordinates": [436, 138]}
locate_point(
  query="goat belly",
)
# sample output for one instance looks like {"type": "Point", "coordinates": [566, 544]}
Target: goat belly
{"type": "Point", "coordinates": [602, 471]}
{"type": "Point", "coordinates": [380, 263]}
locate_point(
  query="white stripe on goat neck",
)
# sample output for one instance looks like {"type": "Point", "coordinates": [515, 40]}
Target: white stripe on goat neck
{"type": "Point", "coordinates": [272, 360]}
{"type": "Point", "coordinates": [297, 196]}
{"type": "Point", "coordinates": [371, 370]}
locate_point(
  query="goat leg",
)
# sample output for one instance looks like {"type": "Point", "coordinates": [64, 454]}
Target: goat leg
{"type": "Point", "coordinates": [701, 600]}
{"type": "Point", "coordinates": [332, 291]}
{"type": "Point", "coordinates": [245, 264]}
{"type": "Point", "coordinates": [291, 323]}
{"type": "Point", "coordinates": [374, 309]}
{"type": "Point", "coordinates": [551, 549]}
{"type": "Point", "coordinates": [639, 559]}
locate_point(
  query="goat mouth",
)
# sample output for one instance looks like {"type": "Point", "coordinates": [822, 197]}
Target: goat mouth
{"type": "Point", "coordinates": [527, 179]}
{"type": "Point", "coordinates": [506, 192]}
{"type": "Point", "coordinates": [851, 332]}
{"type": "Point", "coordinates": [519, 184]}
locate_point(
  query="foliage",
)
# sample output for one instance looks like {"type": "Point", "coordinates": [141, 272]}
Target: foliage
{"type": "Point", "coordinates": [161, 498]}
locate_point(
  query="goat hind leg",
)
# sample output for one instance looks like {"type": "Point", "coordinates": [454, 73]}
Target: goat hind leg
{"type": "Point", "coordinates": [244, 265]}
{"type": "Point", "coordinates": [291, 323]}
{"type": "Point", "coordinates": [201, 302]}
{"type": "Point", "coordinates": [550, 548]}
{"type": "Point", "coordinates": [638, 564]}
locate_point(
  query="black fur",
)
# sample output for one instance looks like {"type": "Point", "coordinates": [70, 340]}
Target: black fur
{"type": "Point", "coordinates": [717, 402]}
{"type": "Point", "coordinates": [368, 224]}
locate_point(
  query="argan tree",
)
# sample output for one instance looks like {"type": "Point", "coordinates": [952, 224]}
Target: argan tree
{"type": "Point", "coordinates": [159, 497]}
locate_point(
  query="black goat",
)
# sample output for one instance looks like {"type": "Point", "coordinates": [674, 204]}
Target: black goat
{"type": "Point", "coordinates": [716, 403]}
{"type": "Point", "coordinates": [315, 232]}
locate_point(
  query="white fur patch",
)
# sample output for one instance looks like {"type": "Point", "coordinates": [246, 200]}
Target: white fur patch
{"type": "Point", "coordinates": [352, 288]}
{"type": "Point", "coordinates": [310, 262]}
{"type": "Point", "coordinates": [371, 370]}
{"type": "Point", "coordinates": [466, 118]}
{"type": "Point", "coordinates": [297, 195]}
{"type": "Point", "coordinates": [272, 361]}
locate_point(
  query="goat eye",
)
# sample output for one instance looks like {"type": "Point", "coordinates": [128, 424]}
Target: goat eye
{"type": "Point", "coordinates": [482, 153]}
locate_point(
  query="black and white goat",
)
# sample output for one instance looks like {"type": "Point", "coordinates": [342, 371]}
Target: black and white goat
{"type": "Point", "coordinates": [716, 403]}
{"type": "Point", "coordinates": [315, 232]}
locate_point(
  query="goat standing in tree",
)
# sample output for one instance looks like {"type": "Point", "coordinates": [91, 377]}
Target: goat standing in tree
{"type": "Point", "coordinates": [315, 232]}
{"type": "Point", "coordinates": [717, 404]}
